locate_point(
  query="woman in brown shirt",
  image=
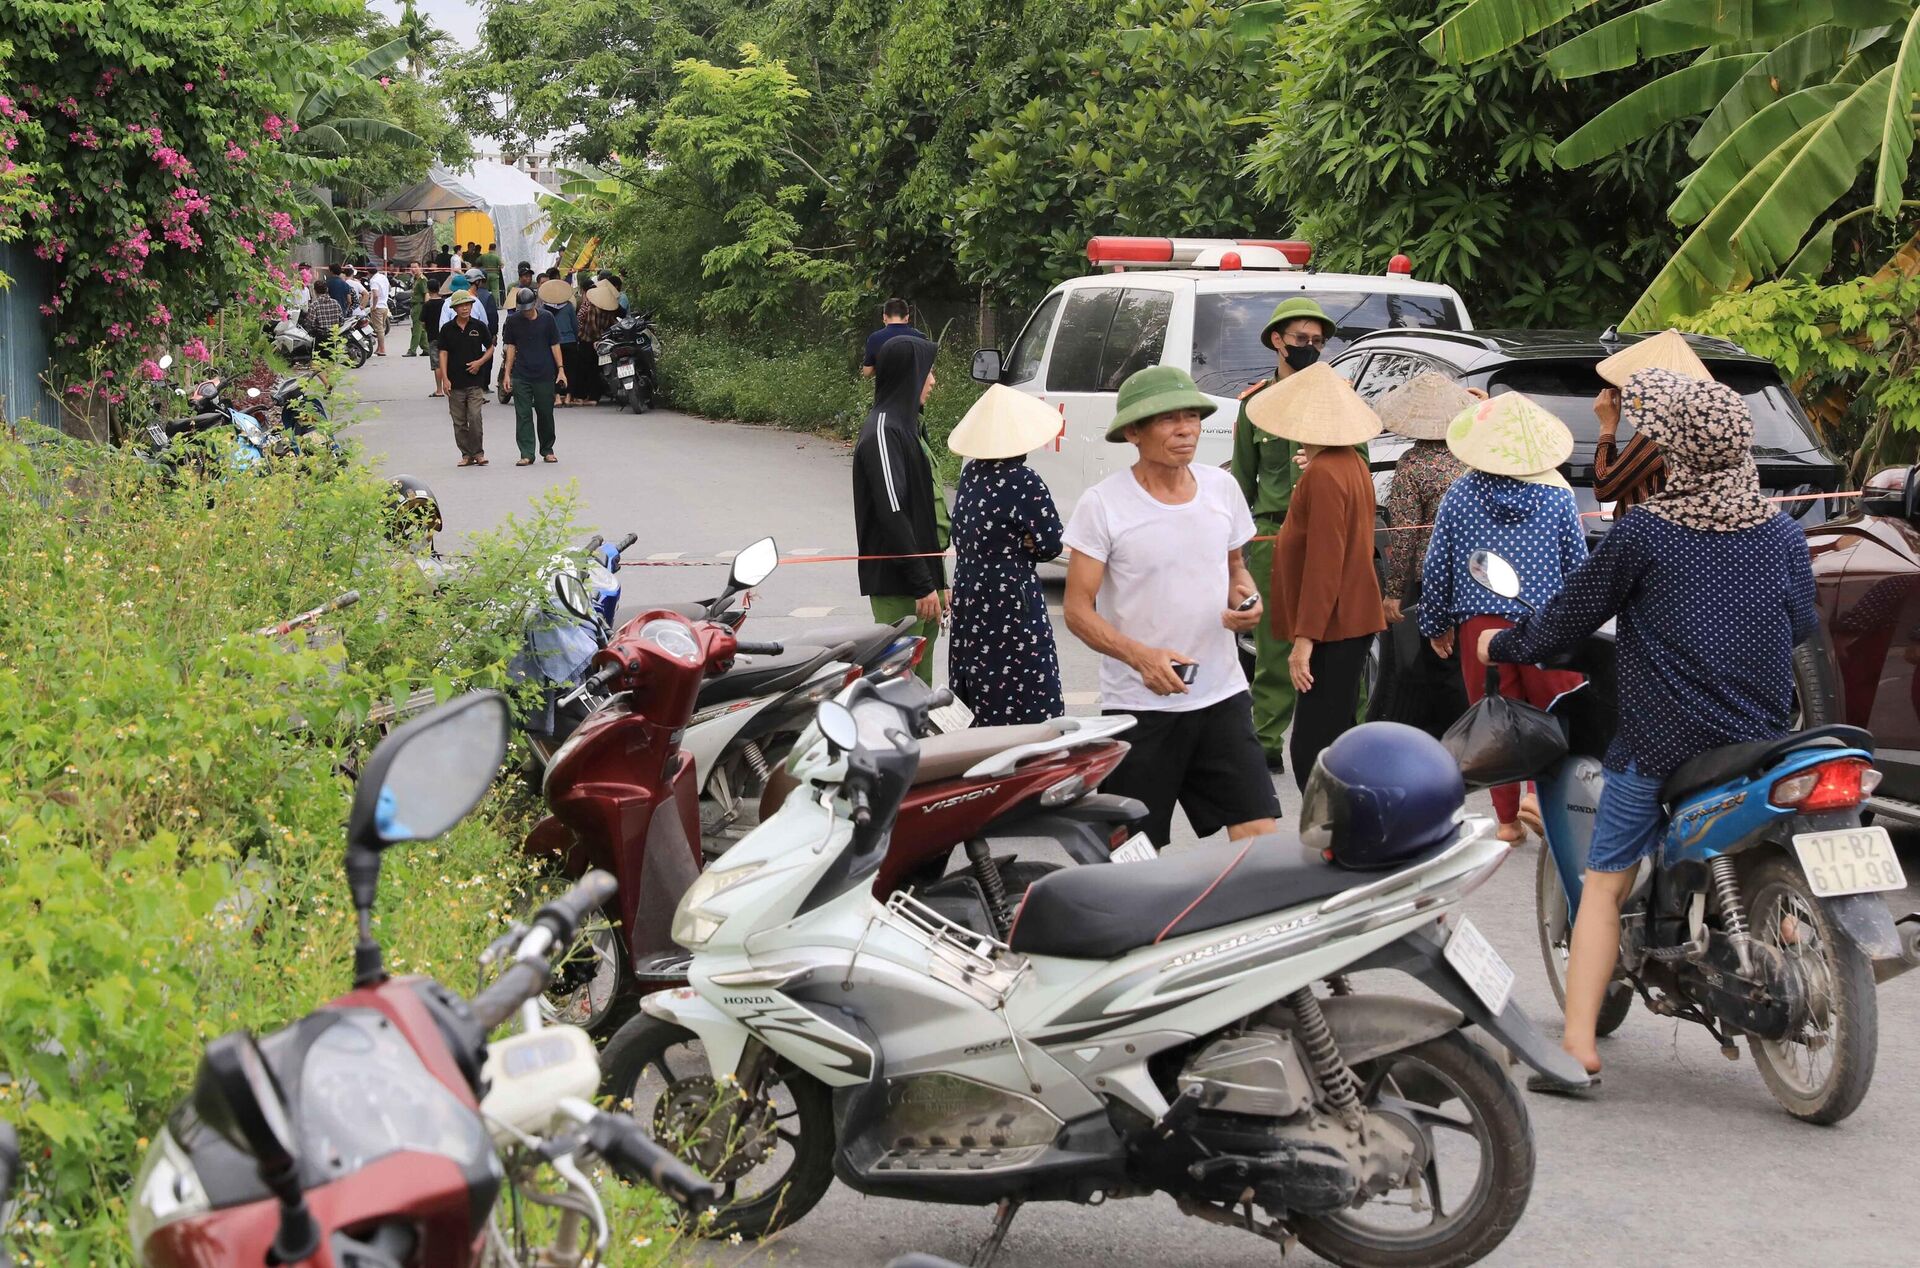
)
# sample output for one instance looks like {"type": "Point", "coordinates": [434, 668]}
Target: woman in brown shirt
{"type": "Point", "coordinates": [1627, 477]}
{"type": "Point", "coordinates": [1330, 609]}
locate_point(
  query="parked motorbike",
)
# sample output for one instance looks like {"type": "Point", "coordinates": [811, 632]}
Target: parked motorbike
{"type": "Point", "coordinates": [376, 1131]}
{"type": "Point", "coordinates": [229, 440]}
{"type": "Point", "coordinates": [1760, 912]}
{"type": "Point", "coordinates": [356, 339]}
{"type": "Point", "coordinates": [291, 340]}
{"type": "Point", "coordinates": [630, 361]}
{"type": "Point", "coordinates": [1145, 1028]}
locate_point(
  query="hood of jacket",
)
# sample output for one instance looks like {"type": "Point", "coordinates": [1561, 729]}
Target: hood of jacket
{"type": "Point", "coordinates": [1510, 501]}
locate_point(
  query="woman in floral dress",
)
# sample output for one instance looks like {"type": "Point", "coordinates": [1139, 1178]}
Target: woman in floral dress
{"type": "Point", "coordinates": [1002, 661]}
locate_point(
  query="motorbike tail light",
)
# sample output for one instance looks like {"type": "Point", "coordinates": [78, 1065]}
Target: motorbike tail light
{"type": "Point", "coordinates": [1839, 785]}
{"type": "Point", "coordinates": [1121, 834]}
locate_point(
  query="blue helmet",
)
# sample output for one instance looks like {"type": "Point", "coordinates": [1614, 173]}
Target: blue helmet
{"type": "Point", "coordinates": [1380, 795]}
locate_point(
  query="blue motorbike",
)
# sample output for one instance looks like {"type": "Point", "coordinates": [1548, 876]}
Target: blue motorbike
{"type": "Point", "coordinates": [1760, 913]}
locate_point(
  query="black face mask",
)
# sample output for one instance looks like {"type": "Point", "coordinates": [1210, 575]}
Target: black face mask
{"type": "Point", "coordinates": [1299, 356]}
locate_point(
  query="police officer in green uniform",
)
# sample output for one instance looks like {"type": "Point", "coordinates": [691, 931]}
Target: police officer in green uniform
{"type": "Point", "coordinates": [1264, 465]}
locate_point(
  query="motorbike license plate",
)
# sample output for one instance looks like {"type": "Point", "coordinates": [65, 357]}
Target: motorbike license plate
{"type": "Point", "coordinates": [951, 717]}
{"type": "Point", "coordinates": [1479, 965]}
{"type": "Point", "coordinates": [1137, 850]}
{"type": "Point", "coordinates": [606, 358]}
{"type": "Point", "coordinates": [1849, 861]}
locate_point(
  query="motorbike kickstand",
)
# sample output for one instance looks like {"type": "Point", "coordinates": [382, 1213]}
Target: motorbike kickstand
{"type": "Point", "coordinates": [1002, 1221]}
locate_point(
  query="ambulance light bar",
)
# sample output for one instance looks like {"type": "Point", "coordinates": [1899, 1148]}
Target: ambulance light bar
{"type": "Point", "coordinates": [1179, 253]}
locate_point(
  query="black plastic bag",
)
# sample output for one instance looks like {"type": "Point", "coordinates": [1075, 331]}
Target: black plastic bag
{"type": "Point", "coordinates": [1502, 741]}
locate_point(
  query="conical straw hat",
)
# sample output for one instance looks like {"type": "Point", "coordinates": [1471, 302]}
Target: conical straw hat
{"type": "Point", "coordinates": [1421, 408]}
{"type": "Point", "coordinates": [1313, 407]}
{"type": "Point", "coordinates": [1511, 435]}
{"type": "Point", "coordinates": [1667, 350]}
{"type": "Point", "coordinates": [1004, 423]}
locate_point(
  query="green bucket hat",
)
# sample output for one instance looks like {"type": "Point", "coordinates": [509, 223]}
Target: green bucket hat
{"type": "Point", "coordinates": [1291, 309]}
{"type": "Point", "coordinates": [1158, 389]}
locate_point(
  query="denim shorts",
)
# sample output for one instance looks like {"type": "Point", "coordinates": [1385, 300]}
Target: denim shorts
{"type": "Point", "coordinates": [1628, 823]}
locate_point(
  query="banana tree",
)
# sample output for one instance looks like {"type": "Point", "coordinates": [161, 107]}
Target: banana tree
{"type": "Point", "coordinates": [1798, 101]}
{"type": "Point", "coordinates": [320, 151]}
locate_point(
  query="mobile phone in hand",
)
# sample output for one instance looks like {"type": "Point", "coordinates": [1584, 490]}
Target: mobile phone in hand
{"type": "Point", "coordinates": [1246, 604]}
{"type": "Point", "coordinates": [1186, 672]}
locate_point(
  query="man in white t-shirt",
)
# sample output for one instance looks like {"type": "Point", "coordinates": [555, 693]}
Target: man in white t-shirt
{"type": "Point", "coordinates": [1155, 585]}
{"type": "Point", "coordinates": [379, 287]}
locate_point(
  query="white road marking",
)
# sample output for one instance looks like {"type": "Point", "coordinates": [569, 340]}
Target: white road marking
{"type": "Point", "coordinates": [666, 555]}
{"type": "Point", "coordinates": [809, 614]}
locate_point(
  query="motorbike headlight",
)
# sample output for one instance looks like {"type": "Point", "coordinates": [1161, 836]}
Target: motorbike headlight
{"type": "Point", "coordinates": [693, 924]}
{"type": "Point", "coordinates": [167, 1189]}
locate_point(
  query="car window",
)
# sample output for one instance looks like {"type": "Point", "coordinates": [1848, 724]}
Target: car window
{"type": "Point", "coordinates": [1031, 346]}
{"type": "Point", "coordinates": [1351, 367]}
{"type": "Point", "coordinates": [1138, 333]}
{"type": "Point", "coordinates": [1567, 388]}
{"type": "Point", "coordinates": [1081, 340]}
{"type": "Point", "coordinates": [1227, 354]}
{"type": "Point", "coordinates": [1388, 370]}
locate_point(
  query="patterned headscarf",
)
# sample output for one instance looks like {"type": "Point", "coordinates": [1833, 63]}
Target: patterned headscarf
{"type": "Point", "coordinates": [1705, 433]}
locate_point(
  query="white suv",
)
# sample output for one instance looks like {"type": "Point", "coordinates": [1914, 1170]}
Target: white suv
{"type": "Point", "coordinates": [1201, 307]}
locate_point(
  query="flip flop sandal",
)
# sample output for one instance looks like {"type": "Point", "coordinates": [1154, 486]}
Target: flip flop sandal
{"type": "Point", "coordinates": [1572, 1091]}
{"type": "Point", "coordinates": [465, 462]}
{"type": "Point", "coordinates": [524, 462]}
{"type": "Point", "coordinates": [480, 460]}
{"type": "Point", "coordinates": [548, 458]}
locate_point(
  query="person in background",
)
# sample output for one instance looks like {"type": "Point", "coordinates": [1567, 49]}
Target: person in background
{"type": "Point", "coordinates": [466, 347]}
{"type": "Point", "coordinates": [321, 318]}
{"type": "Point", "coordinates": [1265, 467]}
{"type": "Point", "coordinates": [533, 367]}
{"type": "Point", "coordinates": [443, 259]}
{"type": "Point", "coordinates": [893, 495]}
{"type": "Point", "coordinates": [461, 282]}
{"type": "Point", "coordinates": [337, 288]}
{"type": "Point", "coordinates": [420, 333]}
{"type": "Point", "coordinates": [895, 319]}
{"type": "Point", "coordinates": [1156, 584]}
{"type": "Point", "coordinates": [1326, 595]}
{"type": "Point", "coordinates": [1001, 658]}
{"type": "Point", "coordinates": [304, 295]}
{"type": "Point", "coordinates": [491, 308]}
{"type": "Point", "coordinates": [358, 289]}
{"type": "Point", "coordinates": [556, 300]}
{"type": "Point", "coordinates": [1415, 686]}
{"type": "Point", "coordinates": [525, 277]}
{"type": "Point", "coordinates": [620, 289]}
{"type": "Point", "coordinates": [496, 269]}
{"type": "Point", "coordinates": [596, 312]}
{"type": "Point", "coordinates": [379, 291]}
{"type": "Point", "coordinates": [1712, 589]}
{"type": "Point", "coordinates": [1629, 477]}
{"type": "Point", "coordinates": [1514, 502]}
{"type": "Point", "coordinates": [428, 318]}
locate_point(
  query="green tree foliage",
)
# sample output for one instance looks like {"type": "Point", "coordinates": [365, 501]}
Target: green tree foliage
{"type": "Point", "coordinates": [1140, 131]}
{"type": "Point", "coordinates": [1809, 111]}
{"type": "Point", "coordinates": [1377, 151]}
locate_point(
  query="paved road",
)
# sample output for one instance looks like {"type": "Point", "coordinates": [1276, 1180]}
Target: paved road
{"type": "Point", "coordinates": [1685, 1159]}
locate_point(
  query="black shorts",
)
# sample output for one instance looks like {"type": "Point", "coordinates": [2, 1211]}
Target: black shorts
{"type": "Point", "coordinates": [1208, 761]}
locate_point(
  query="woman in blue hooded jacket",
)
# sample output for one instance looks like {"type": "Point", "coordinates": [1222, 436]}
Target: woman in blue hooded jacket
{"type": "Point", "coordinates": [1512, 501]}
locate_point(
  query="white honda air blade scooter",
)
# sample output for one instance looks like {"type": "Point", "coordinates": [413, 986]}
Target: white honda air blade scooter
{"type": "Point", "coordinates": [1163, 1034]}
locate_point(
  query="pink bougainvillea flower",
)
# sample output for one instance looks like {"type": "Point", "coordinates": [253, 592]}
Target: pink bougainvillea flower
{"type": "Point", "coordinates": [150, 369]}
{"type": "Point", "coordinates": [187, 86]}
{"type": "Point", "coordinates": [195, 349]}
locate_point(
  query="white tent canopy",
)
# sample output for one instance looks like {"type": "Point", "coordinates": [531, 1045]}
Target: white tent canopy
{"type": "Point", "coordinates": [509, 196]}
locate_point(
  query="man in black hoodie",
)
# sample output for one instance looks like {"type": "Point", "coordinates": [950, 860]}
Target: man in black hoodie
{"type": "Point", "coordinates": [894, 494]}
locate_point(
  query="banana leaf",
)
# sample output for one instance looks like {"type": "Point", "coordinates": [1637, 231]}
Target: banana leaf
{"type": "Point", "coordinates": [1793, 65]}
{"type": "Point", "coordinates": [1680, 26]}
{"type": "Point", "coordinates": [374, 64]}
{"type": "Point", "coordinates": [1820, 173]}
{"type": "Point", "coordinates": [1486, 27]}
{"type": "Point", "coordinates": [1903, 264]}
{"type": "Point", "coordinates": [1813, 259]}
{"type": "Point", "coordinates": [1688, 91]}
{"type": "Point", "coordinates": [1751, 142]}
{"type": "Point", "coordinates": [1705, 267]}
{"type": "Point", "coordinates": [1896, 129]}
{"type": "Point", "coordinates": [368, 131]}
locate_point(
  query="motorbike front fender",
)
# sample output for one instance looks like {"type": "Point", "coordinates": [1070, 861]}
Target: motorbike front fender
{"type": "Point", "coordinates": [724, 1038]}
{"type": "Point", "coordinates": [1420, 955]}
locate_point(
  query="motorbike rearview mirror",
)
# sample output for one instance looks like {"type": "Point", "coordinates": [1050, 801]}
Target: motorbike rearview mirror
{"type": "Point", "coordinates": [422, 780]}
{"type": "Point", "coordinates": [166, 361]}
{"type": "Point", "coordinates": [253, 393]}
{"type": "Point", "coordinates": [235, 1094]}
{"type": "Point", "coordinates": [571, 592]}
{"type": "Point", "coordinates": [836, 723]}
{"type": "Point", "coordinates": [754, 564]}
{"type": "Point", "coordinates": [1495, 573]}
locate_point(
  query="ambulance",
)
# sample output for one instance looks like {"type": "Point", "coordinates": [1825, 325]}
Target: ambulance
{"type": "Point", "coordinates": [1200, 304]}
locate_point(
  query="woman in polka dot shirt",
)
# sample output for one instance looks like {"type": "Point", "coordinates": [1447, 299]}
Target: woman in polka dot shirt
{"type": "Point", "coordinates": [1712, 588]}
{"type": "Point", "coordinates": [1528, 517]}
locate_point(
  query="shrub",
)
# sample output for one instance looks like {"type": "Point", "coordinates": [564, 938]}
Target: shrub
{"type": "Point", "coordinates": [170, 798]}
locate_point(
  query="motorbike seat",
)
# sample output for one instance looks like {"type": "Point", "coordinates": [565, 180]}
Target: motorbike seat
{"type": "Point", "coordinates": [950, 756]}
{"type": "Point", "coordinates": [764, 675]}
{"type": "Point", "coordinates": [869, 639]}
{"type": "Point", "coordinates": [1102, 911]}
{"type": "Point", "coordinates": [1738, 761]}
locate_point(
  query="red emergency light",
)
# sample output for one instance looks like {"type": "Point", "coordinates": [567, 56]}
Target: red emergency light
{"type": "Point", "coordinates": [1180, 252]}
{"type": "Point", "coordinates": [1400, 264]}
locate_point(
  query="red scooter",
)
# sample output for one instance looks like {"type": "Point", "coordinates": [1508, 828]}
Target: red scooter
{"type": "Point", "coordinates": [624, 799]}
{"type": "Point", "coordinates": [377, 1131]}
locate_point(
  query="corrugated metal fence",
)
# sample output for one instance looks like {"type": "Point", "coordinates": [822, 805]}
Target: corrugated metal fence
{"type": "Point", "coordinates": [23, 340]}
